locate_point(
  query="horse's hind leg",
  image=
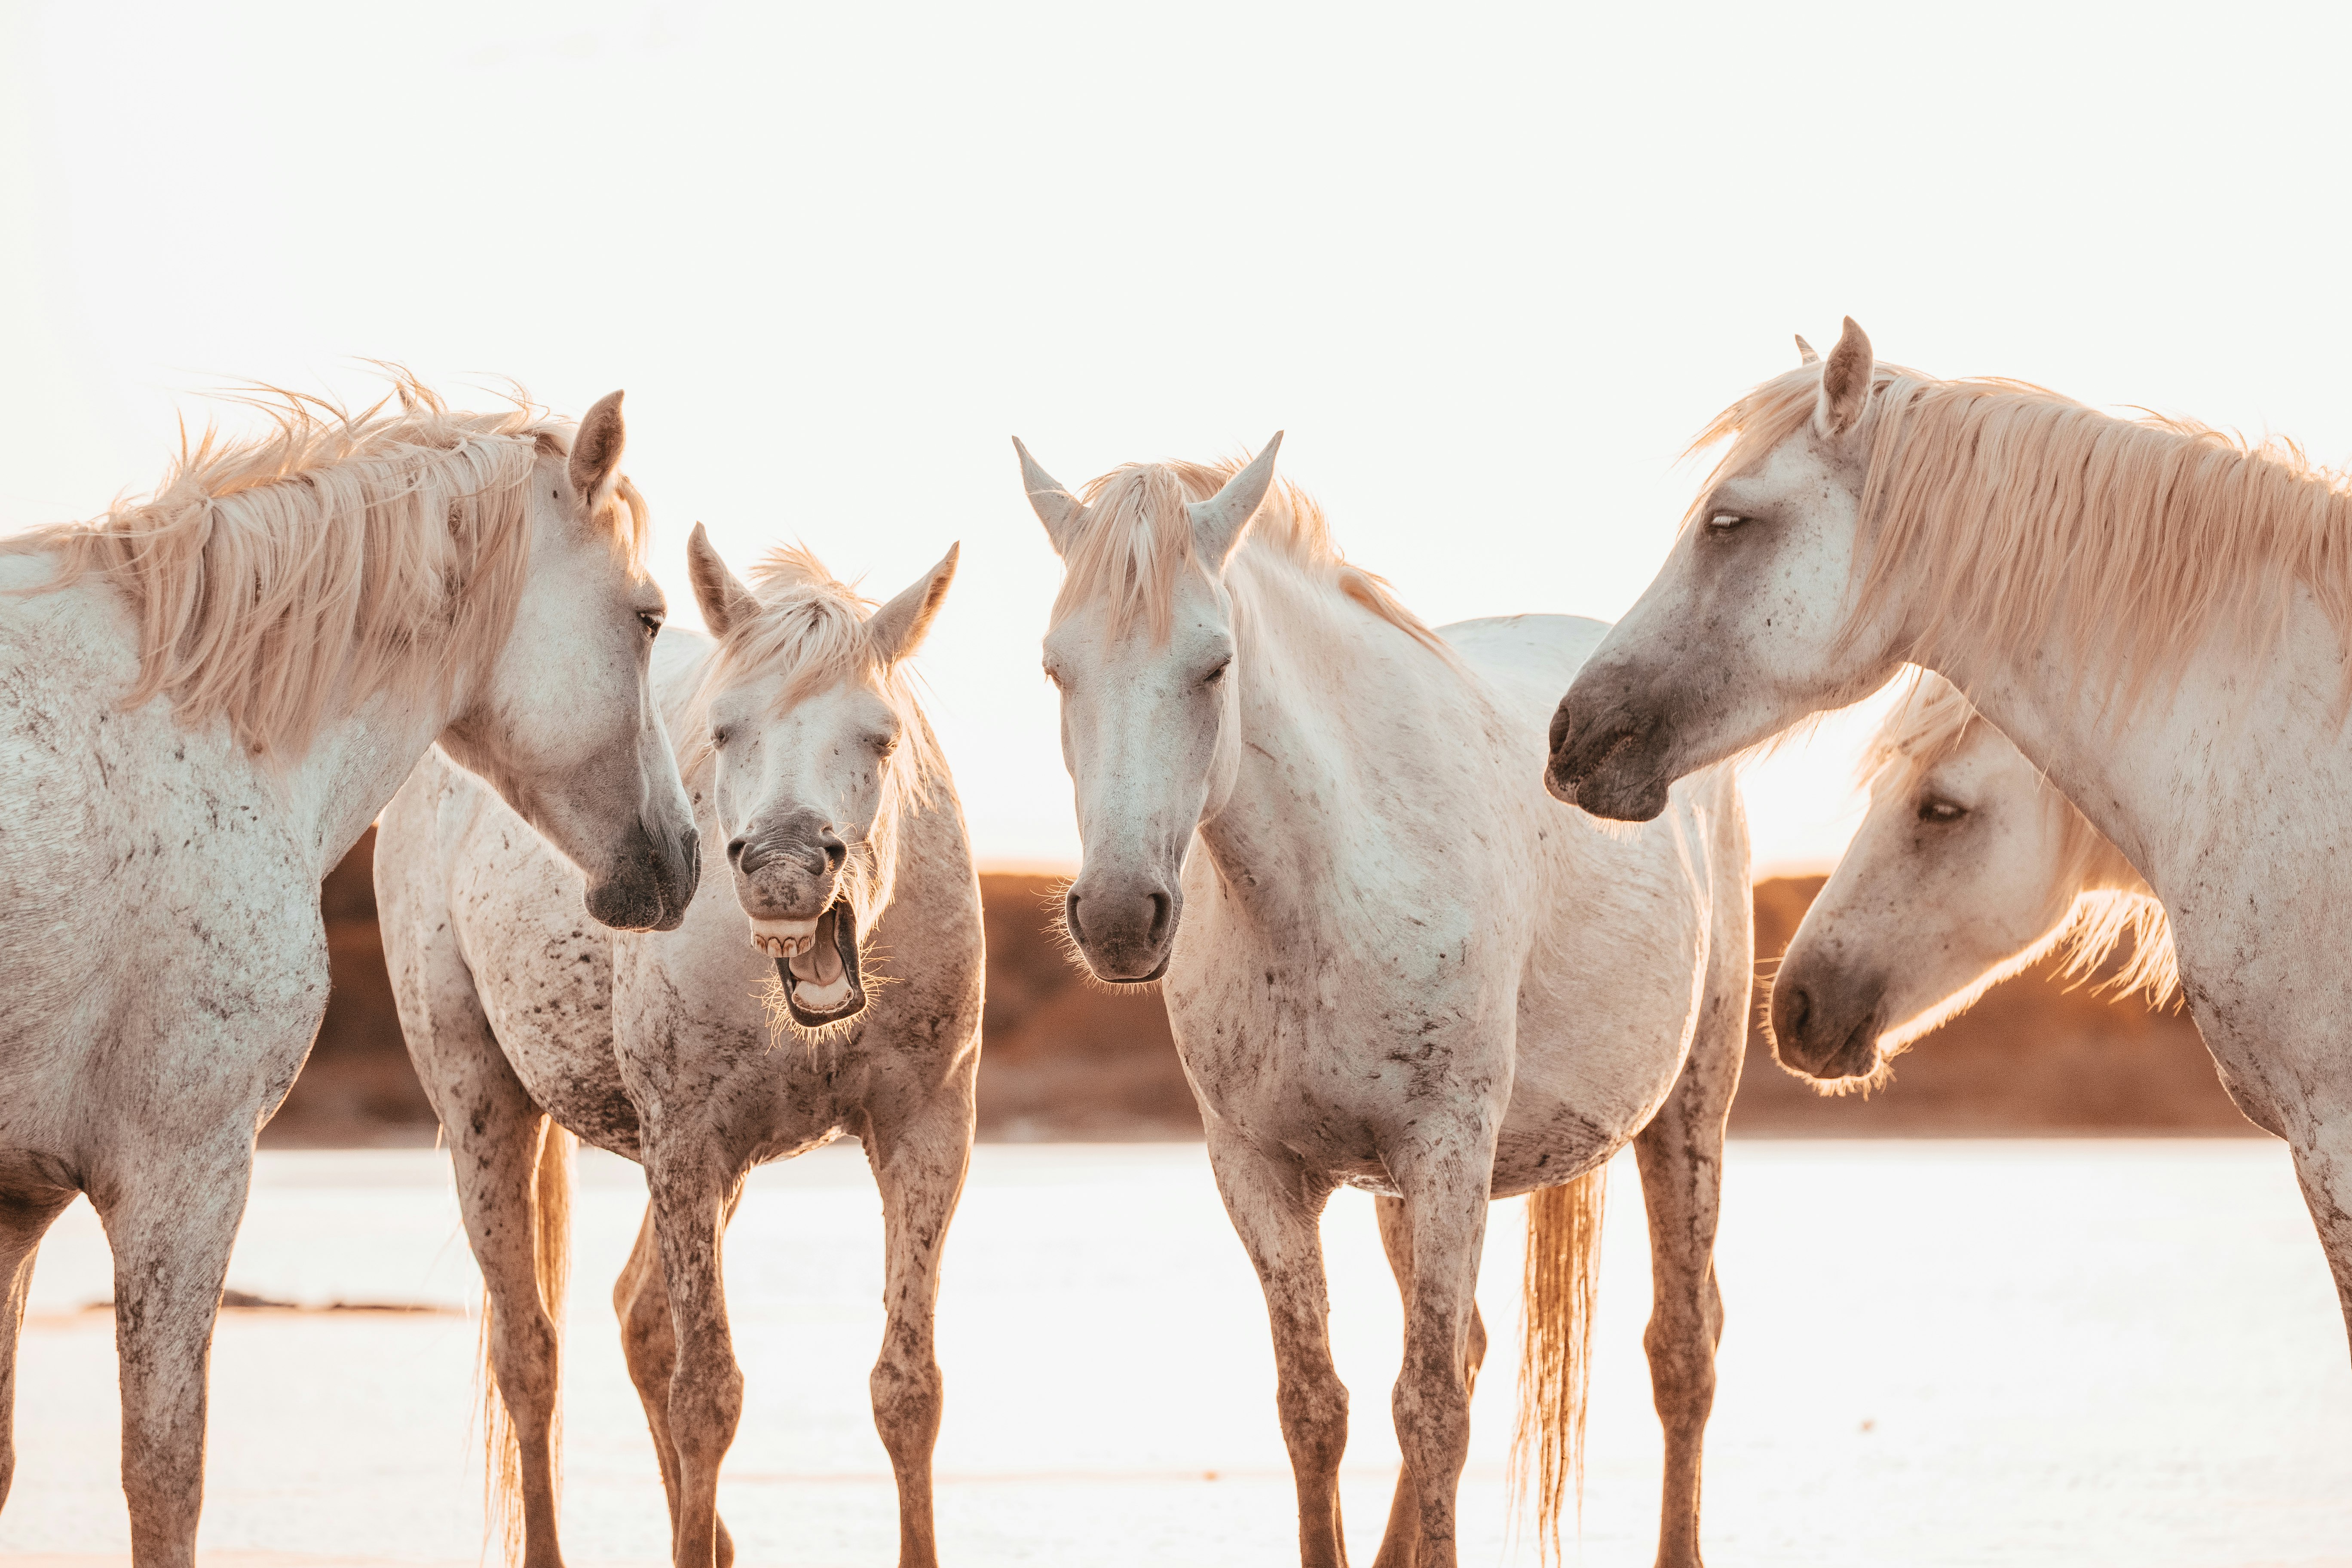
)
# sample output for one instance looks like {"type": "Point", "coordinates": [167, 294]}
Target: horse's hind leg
{"type": "Point", "coordinates": [919, 1164]}
{"type": "Point", "coordinates": [496, 1136]}
{"type": "Point", "coordinates": [649, 1343]}
{"type": "Point", "coordinates": [1401, 1541]}
{"type": "Point", "coordinates": [171, 1222]}
{"type": "Point", "coordinates": [1680, 1154]}
{"type": "Point", "coordinates": [1277, 1208]}
{"type": "Point", "coordinates": [24, 1216]}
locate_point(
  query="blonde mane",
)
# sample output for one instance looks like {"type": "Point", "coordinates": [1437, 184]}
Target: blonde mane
{"type": "Point", "coordinates": [810, 632]}
{"type": "Point", "coordinates": [2008, 516]}
{"type": "Point", "coordinates": [334, 558]}
{"type": "Point", "coordinates": [2111, 905]}
{"type": "Point", "coordinates": [1136, 544]}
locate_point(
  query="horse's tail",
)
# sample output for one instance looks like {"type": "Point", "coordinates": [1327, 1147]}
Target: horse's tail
{"type": "Point", "coordinates": [550, 1256]}
{"type": "Point", "coordinates": [1556, 1352]}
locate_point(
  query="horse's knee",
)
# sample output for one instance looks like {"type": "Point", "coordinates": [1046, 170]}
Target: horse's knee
{"type": "Point", "coordinates": [1314, 1416]}
{"type": "Point", "coordinates": [909, 1395]}
{"type": "Point", "coordinates": [705, 1404]}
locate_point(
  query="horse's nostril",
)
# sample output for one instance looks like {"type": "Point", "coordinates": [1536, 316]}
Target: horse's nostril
{"type": "Point", "coordinates": [1070, 916]}
{"type": "Point", "coordinates": [1160, 904]}
{"type": "Point", "coordinates": [735, 852]}
{"type": "Point", "coordinates": [835, 851]}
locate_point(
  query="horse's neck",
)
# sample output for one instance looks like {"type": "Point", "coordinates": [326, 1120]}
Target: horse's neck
{"type": "Point", "coordinates": [1325, 690]}
{"type": "Point", "coordinates": [2196, 774]}
{"type": "Point", "coordinates": [354, 765]}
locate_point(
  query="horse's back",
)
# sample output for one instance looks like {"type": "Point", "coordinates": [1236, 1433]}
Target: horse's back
{"type": "Point", "coordinates": [1522, 650]}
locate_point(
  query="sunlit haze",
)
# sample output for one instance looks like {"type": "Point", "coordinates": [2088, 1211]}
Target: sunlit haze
{"type": "Point", "coordinates": [1489, 268]}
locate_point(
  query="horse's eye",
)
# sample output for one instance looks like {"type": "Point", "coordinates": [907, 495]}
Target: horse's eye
{"type": "Point", "coordinates": [1724, 522]}
{"type": "Point", "coordinates": [651, 620]}
{"type": "Point", "coordinates": [720, 736]}
{"type": "Point", "coordinates": [1217, 674]}
{"type": "Point", "coordinates": [1935, 808]}
{"type": "Point", "coordinates": [882, 745]}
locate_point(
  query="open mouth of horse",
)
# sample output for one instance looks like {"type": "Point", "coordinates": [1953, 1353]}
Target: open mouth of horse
{"type": "Point", "coordinates": [817, 961]}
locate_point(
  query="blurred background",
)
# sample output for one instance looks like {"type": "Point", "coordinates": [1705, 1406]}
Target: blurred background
{"type": "Point", "coordinates": [1489, 267]}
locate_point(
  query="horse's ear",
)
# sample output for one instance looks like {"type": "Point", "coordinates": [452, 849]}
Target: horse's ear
{"type": "Point", "coordinates": [897, 628]}
{"type": "Point", "coordinates": [1217, 523]}
{"type": "Point", "coordinates": [597, 453]}
{"type": "Point", "coordinates": [726, 603]}
{"type": "Point", "coordinates": [1805, 354]}
{"type": "Point", "coordinates": [1057, 508]}
{"type": "Point", "coordinates": [1845, 383]}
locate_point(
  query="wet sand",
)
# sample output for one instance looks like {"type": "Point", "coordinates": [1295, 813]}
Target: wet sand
{"type": "Point", "coordinates": [2108, 1351]}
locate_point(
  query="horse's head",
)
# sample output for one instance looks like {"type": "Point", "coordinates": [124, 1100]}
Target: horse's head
{"type": "Point", "coordinates": [563, 724]}
{"type": "Point", "coordinates": [1965, 868]}
{"type": "Point", "coordinates": [1750, 626]}
{"type": "Point", "coordinates": [1140, 647]}
{"type": "Point", "coordinates": [814, 745]}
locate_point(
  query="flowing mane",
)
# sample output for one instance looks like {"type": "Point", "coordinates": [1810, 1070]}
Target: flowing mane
{"type": "Point", "coordinates": [1929, 725]}
{"type": "Point", "coordinates": [331, 559]}
{"type": "Point", "coordinates": [2131, 542]}
{"type": "Point", "coordinates": [1137, 541]}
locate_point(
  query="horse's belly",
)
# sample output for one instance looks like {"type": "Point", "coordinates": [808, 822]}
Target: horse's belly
{"type": "Point", "coordinates": [543, 971]}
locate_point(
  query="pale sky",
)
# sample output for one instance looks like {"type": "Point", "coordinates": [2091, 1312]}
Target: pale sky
{"type": "Point", "coordinates": [1488, 267]}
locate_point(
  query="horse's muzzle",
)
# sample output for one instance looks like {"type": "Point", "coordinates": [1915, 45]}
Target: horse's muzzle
{"type": "Point", "coordinates": [1825, 1033]}
{"type": "Point", "coordinates": [1124, 928]}
{"type": "Point", "coordinates": [1606, 759]}
{"type": "Point", "coordinates": [650, 883]}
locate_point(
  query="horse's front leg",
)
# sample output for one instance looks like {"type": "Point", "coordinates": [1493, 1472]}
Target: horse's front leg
{"type": "Point", "coordinates": [1401, 1541]}
{"type": "Point", "coordinates": [1444, 1175]}
{"type": "Point", "coordinates": [1277, 1207]}
{"type": "Point", "coordinates": [171, 1219]}
{"type": "Point", "coordinates": [2322, 1141]}
{"type": "Point", "coordinates": [919, 1164]}
{"type": "Point", "coordinates": [26, 1215]}
{"type": "Point", "coordinates": [693, 1195]}
{"type": "Point", "coordinates": [650, 1346]}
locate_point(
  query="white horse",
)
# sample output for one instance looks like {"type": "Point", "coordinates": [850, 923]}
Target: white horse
{"type": "Point", "coordinates": [1391, 962]}
{"type": "Point", "coordinates": [1967, 869]}
{"type": "Point", "coordinates": [809, 759]}
{"type": "Point", "coordinates": [204, 698]}
{"type": "Point", "coordinates": [2155, 614]}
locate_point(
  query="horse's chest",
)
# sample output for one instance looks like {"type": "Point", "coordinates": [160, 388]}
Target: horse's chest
{"type": "Point", "coordinates": [1333, 1068]}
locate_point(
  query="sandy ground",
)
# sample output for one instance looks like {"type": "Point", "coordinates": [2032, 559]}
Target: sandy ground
{"type": "Point", "coordinates": [2098, 1353]}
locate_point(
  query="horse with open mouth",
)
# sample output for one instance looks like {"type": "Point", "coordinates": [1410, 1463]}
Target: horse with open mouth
{"type": "Point", "coordinates": [760, 1028]}
{"type": "Point", "coordinates": [1391, 962]}
{"type": "Point", "coordinates": [204, 698]}
{"type": "Point", "coordinates": [2157, 614]}
{"type": "Point", "coordinates": [1967, 869]}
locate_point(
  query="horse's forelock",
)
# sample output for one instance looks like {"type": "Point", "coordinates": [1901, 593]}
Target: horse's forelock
{"type": "Point", "coordinates": [807, 633]}
{"type": "Point", "coordinates": [1136, 543]}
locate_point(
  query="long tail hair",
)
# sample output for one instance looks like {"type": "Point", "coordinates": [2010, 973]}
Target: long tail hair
{"type": "Point", "coordinates": [551, 1255]}
{"type": "Point", "coordinates": [1563, 1270]}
